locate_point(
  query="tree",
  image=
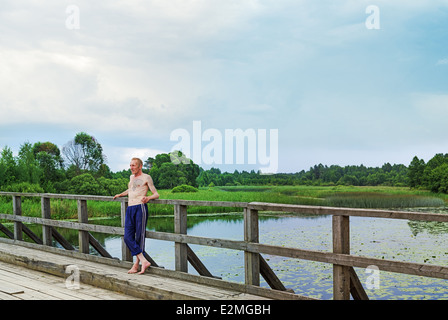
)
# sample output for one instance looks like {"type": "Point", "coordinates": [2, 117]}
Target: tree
{"type": "Point", "coordinates": [84, 152]}
{"type": "Point", "coordinates": [51, 149]}
{"type": "Point", "coordinates": [167, 172]}
{"type": "Point", "coordinates": [438, 181]}
{"type": "Point", "coordinates": [169, 176]}
{"type": "Point", "coordinates": [415, 172]}
{"type": "Point", "coordinates": [8, 167]}
{"type": "Point", "coordinates": [428, 178]}
{"type": "Point", "coordinates": [28, 166]}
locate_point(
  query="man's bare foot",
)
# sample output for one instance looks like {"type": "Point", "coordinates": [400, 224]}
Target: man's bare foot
{"type": "Point", "coordinates": [134, 269]}
{"type": "Point", "coordinates": [145, 265]}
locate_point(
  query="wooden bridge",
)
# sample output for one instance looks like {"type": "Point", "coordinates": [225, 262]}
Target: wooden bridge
{"type": "Point", "coordinates": [92, 272]}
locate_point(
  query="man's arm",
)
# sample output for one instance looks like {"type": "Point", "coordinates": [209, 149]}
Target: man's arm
{"type": "Point", "coordinates": [155, 194]}
{"type": "Point", "coordinates": [124, 193]}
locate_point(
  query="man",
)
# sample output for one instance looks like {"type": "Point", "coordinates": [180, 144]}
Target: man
{"type": "Point", "coordinates": [137, 213]}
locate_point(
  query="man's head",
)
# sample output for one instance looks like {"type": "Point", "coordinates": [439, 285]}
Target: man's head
{"type": "Point", "coordinates": [136, 165]}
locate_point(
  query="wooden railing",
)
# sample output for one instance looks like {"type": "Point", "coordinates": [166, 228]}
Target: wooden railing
{"type": "Point", "coordinates": [345, 280]}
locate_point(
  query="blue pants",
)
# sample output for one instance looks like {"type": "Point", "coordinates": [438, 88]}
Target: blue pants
{"type": "Point", "coordinates": [135, 228]}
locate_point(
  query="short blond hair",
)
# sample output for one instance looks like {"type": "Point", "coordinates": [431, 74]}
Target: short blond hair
{"type": "Point", "coordinates": [139, 161]}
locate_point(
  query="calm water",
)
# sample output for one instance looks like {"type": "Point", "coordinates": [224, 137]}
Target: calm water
{"type": "Point", "coordinates": [402, 240]}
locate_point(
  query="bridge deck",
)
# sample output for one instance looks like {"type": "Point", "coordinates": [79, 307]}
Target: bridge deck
{"type": "Point", "coordinates": [46, 279]}
{"type": "Point", "coordinates": [21, 283]}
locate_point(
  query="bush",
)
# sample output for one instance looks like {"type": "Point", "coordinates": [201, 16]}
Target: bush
{"type": "Point", "coordinates": [184, 188]}
{"type": "Point", "coordinates": [85, 184]}
{"type": "Point", "coordinates": [24, 187]}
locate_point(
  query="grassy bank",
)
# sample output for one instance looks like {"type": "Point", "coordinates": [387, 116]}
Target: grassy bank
{"type": "Point", "coordinates": [339, 196]}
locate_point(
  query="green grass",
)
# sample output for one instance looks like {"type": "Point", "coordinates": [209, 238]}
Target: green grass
{"type": "Point", "coordinates": [340, 196]}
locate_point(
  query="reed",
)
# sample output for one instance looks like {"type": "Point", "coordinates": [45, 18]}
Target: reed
{"type": "Point", "coordinates": [379, 200]}
{"type": "Point", "coordinates": [338, 196]}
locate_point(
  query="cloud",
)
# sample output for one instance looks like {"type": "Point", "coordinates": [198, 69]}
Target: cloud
{"type": "Point", "coordinates": [119, 157]}
{"type": "Point", "coordinates": [136, 70]}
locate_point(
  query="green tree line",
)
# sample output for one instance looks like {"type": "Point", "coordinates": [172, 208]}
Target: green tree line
{"type": "Point", "coordinates": [432, 175]}
{"type": "Point", "coordinates": [81, 168]}
{"type": "Point", "coordinates": [387, 175]}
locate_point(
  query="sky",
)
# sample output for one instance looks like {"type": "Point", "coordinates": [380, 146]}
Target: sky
{"type": "Point", "coordinates": [344, 82]}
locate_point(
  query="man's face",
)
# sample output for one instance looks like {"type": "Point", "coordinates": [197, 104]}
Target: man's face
{"type": "Point", "coordinates": [135, 166]}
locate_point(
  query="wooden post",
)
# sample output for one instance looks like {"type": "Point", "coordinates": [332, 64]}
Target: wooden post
{"type": "Point", "coordinates": [251, 260]}
{"type": "Point", "coordinates": [341, 244]}
{"type": "Point", "coordinates": [46, 214]}
{"type": "Point", "coordinates": [125, 252]}
{"type": "Point", "coordinates": [17, 209]}
{"type": "Point", "coordinates": [180, 227]}
{"type": "Point", "coordinates": [83, 217]}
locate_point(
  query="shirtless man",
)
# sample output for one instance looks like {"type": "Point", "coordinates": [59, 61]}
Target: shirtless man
{"type": "Point", "coordinates": [137, 213]}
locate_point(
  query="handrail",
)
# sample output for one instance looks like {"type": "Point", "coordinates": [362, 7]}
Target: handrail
{"type": "Point", "coordinates": [344, 280]}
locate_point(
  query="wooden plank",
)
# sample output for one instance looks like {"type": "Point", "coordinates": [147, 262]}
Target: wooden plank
{"type": "Point", "coordinates": [17, 210]}
{"type": "Point", "coordinates": [6, 231]}
{"type": "Point", "coordinates": [65, 224]}
{"type": "Point", "coordinates": [180, 249]}
{"type": "Point", "coordinates": [31, 234]}
{"type": "Point", "coordinates": [98, 247]}
{"type": "Point", "coordinates": [9, 290]}
{"type": "Point", "coordinates": [5, 296]}
{"type": "Point", "coordinates": [83, 217]}
{"type": "Point", "coordinates": [356, 288]}
{"type": "Point", "coordinates": [271, 278]}
{"type": "Point", "coordinates": [45, 286]}
{"type": "Point", "coordinates": [197, 263]}
{"type": "Point", "coordinates": [157, 283]}
{"type": "Point", "coordinates": [125, 252]}
{"type": "Point", "coordinates": [251, 260]}
{"type": "Point", "coordinates": [59, 238]}
{"type": "Point", "coordinates": [341, 244]}
{"type": "Point", "coordinates": [373, 213]}
{"type": "Point", "coordinates": [46, 214]}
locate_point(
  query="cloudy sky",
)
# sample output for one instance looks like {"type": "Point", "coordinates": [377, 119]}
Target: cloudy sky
{"type": "Point", "coordinates": [342, 83]}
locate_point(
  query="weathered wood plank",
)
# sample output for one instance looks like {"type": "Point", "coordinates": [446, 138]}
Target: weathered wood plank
{"type": "Point", "coordinates": [31, 284]}
{"type": "Point", "coordinates": [271, 278]}
{"type": "Point", "coordinates": [356, 288]}
{"type": "Point", "coordinates": [125, 252]}
{"type": "Point", "coordinates": [180, 249]}
{"type": "Point", "coordinates": [6, 231]}
{"type": "Point", "coordinates": [251, 259]}
{"type": "Point", "coordinates": [46, 214]}
{"type": "Point", "coordinates": [65, 224]}
{"type": "Point", "coordinates": [341, 244]}
{"type": "Point", "coordinates": [197, 263]}
{"type": "Point", "coordinates": [32, 235]}
{"type": "Point", "coordinates": [17, 210]}
{"type": "Point", "coordinates": [83, 217]}
{"type": "Point", "coordinates": [372, 213]}
{"type": "Point", "coordinates": [98, 247]}
{"type": "Point", "coordinates": [112, 274]}
{"type": "Point", "coordinates": [59, 238]}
